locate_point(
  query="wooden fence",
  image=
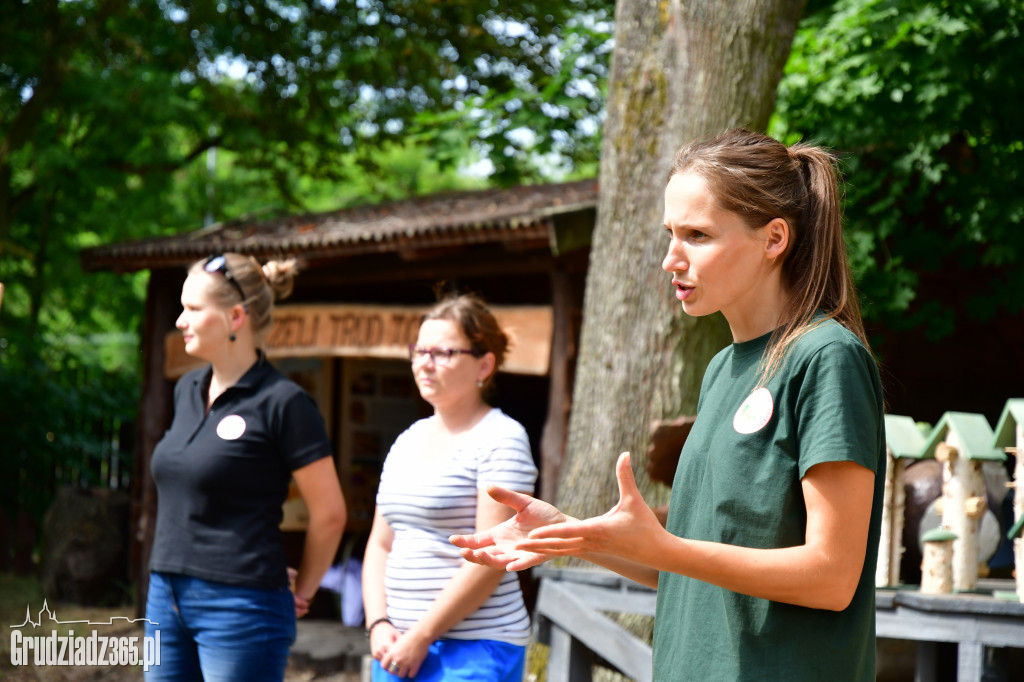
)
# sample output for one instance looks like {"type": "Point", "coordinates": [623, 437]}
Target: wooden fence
{"type": "Point", "coordinates": [571, 620]}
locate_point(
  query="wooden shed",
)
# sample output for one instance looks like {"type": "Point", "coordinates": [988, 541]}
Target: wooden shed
{"type": "Point", "coordinates": [367, 275]}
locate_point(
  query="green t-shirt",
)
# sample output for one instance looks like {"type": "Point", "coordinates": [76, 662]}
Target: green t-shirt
{"type": "Point", "coordinates": [738, 483]}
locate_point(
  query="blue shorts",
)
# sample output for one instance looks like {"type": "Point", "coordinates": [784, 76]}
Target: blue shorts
{"type": "Point", "coordinates": [216, 632]}
{"type": "Point", "coordinates": [465, 660]}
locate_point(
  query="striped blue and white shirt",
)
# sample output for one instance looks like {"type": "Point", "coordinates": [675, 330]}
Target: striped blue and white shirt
{"type": "Point", "coordinates": [424, 505]}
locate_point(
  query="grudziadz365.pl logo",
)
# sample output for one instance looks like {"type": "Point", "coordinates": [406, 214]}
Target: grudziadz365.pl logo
{"type": "Point", "coordinates": [30, 645]}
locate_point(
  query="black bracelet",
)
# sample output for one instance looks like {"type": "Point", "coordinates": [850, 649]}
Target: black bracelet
{"type": "Point", "coordinates": [377, 622]}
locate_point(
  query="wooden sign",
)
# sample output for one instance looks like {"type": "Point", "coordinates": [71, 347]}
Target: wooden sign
{"type": "Point", "coordinates": [370, 331]}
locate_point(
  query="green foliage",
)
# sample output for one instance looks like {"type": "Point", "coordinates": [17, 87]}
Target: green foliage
{"type": "Point", "coordinates": [109, 110]}
{"type": "Point", "coordinates": [916, 98]}
{"type": "Point", "coordinates": [63, 427]}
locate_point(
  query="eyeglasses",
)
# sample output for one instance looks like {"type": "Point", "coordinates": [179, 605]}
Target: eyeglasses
{"type": "Point", "coordinates": [439, 356]}
{"type": "Point", "coordinates": [218, 263]}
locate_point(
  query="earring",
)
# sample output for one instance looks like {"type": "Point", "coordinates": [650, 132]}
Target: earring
{"type": "Point", "coordinates": [232, 337]}
{"type": "Point", "coordinates": [479, 384]}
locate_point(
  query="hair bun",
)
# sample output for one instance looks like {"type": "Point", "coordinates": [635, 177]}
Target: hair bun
{"type": "Point", "coordinates": [280, 275]}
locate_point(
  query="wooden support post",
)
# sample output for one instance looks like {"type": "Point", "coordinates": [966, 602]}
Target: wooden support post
{"type": "Point", "coordinates": [568, 660]}
{"type": "Point", "coordinates": [926, 667]}
{"type": "Point", "coordinates": [556, 425]}
{"type": "Point", "coordinates": [970, 661]}
{"type": "Point", "coordinates": [155, 414]}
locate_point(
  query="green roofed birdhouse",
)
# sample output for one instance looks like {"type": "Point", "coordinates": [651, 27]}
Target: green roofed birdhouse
{"type": "Point", "coordinates": [962, 442]}
{"type": "Point", "coordinates": [904, 442]}
{"type": "Point", "coordinates": [937, 564]}
{"type": "Point", "coordinates": [1009, 436]}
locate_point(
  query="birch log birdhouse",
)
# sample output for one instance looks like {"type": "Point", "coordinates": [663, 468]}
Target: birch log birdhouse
{"type": "Point", "coordinates": [937, 564]}
{"type": "Point", "coordinates": [904, 442]}
{"type": "Point", "coordinates": [962, 442]}
{"type": "Point", "coordinates": [1009, 435]}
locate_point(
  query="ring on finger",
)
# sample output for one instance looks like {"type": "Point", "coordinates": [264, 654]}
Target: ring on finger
{"type": "Point", "coordinates": [393, 667]}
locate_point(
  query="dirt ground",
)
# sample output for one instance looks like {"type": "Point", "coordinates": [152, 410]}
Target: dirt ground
{"type": "Point", "coordinates": [134, 674]}
{"type": "Point", "coordinates": [33, 673]}
{"type": "Point", "coordinates": [127, 674]}
{"type": "Point", "coordinates": [18, 593]}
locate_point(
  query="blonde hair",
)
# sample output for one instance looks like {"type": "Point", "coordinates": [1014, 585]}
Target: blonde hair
{"type": "Point", "coordinates": [758, 178]}
{"type": "Point", "coordinates": [262, 284]}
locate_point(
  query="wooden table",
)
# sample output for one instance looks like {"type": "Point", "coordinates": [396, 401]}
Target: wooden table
{"type": "Point", "coordinates": [971, 621]}
{"type": "Point", "coordinates": [571, 620]}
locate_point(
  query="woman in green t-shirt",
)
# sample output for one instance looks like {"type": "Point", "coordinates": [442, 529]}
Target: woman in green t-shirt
{"type": "Point", "coordinates": [765, 567]}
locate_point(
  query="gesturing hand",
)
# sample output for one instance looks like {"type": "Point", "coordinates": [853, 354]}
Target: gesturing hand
{"type": "Point", "coordinates": [629, 530]}
{"type": "Point", "coordinates": [497, 547]}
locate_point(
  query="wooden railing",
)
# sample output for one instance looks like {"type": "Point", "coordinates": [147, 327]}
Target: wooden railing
{"type": "Point", "coordinates": [571, 620]}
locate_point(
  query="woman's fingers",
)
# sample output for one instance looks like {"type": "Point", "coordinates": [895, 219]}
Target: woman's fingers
{"type": "Point", "coordinates": [511, 498]}
{"type": "Point", "coordinates": [625, 477]}
{"type": "Point", "coordinates": [575, 537]}
{"type": "Point", "coordinates": [565, 529]}
{"type": "Point", "coordinates": [472, 541]}
{"type": "Point", "coordinates": [527, 560]}
{"type": "Point", "coordinates": [553, 545]}
{"type": "Point", "coordinates": [486, 558]}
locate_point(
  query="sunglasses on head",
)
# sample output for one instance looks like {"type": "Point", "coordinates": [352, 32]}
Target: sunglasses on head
{"type": "Point", "coordinates": [218, 263]}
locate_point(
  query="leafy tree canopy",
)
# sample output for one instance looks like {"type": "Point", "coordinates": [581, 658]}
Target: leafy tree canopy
{"type": "Point", "coordinates": [916, 98]}
{"type": "Point", "coordinates": [102, 102]}
{"type": "Point", "coordinates": [109, 110]}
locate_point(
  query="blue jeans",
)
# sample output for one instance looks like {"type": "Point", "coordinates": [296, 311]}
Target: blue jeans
{"type": "Point", "coordinates": [216, 632]}
{"type": "Point", "coordinates": [465, 660]}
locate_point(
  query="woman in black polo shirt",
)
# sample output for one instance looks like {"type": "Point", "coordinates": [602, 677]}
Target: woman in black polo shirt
{"type": "Point", "coordinates": [219, 590]}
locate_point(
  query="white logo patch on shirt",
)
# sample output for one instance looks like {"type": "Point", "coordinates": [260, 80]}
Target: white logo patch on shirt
{"type": "Point", "coordinates": [231, 427]}
{"type": "Point", "coordinates": [754, 413]}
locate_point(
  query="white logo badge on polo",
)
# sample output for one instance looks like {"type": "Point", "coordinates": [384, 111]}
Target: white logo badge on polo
{"type": "Point", "coordinates": [754, 413]}
{"type": "Point", "coordinates": [231, 427]}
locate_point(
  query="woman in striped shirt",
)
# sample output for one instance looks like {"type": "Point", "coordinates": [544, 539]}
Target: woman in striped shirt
{"type": "Point", "coordinates": [431, 615]}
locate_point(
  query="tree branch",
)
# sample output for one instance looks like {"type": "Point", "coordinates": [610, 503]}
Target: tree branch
{"type": "Point", "coordinates": [144, 169]}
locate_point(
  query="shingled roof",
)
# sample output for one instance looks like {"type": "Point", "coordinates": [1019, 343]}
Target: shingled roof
{"type": "Point", "coordinates": [515, 215]}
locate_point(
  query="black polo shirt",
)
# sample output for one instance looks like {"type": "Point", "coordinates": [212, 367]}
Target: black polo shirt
{"type": "Point", "coordinates": [222, 476]}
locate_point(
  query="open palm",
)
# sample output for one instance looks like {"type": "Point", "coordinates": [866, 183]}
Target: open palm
{"type": "Point", "coordinates": [629, 530]}
{"type": "Point", "coordinates": [497, 547]}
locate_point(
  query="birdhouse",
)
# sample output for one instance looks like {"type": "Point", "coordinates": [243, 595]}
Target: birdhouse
{"type": "Point", "coordinates": [962, 442]}
{"type": "Point", "coordinates": [937, 562]}
{"type": "Point", "coordinates": [1009, 436]}
{"type": "Point", "coordinates": [904, 442]}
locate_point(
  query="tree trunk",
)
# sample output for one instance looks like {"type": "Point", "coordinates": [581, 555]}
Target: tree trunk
{"type": "Point", "coordinates": [679, 71]}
